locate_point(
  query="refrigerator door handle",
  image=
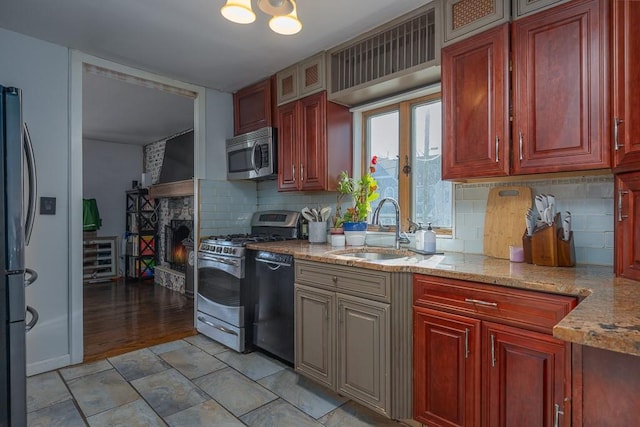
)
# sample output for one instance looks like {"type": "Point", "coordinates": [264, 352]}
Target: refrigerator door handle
{"type": "Point", "coordinates": [32, 276]}
{"type": "Point", "coordinates": [34, 318]}
{"type": "Point", "coordinates": [33, 184]}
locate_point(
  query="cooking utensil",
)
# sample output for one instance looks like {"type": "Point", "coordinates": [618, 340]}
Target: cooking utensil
{"type": "Point", "coordinates": [506, 206]}
{"type": "Point", "coordinates": [316, 214]}
{"type": "Point", "coordinates": [325, 213]}
{"type": "Point", "coordinates": [306, 213]}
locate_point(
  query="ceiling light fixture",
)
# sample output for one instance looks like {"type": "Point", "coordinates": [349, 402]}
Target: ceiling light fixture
{"type": "Point", "coordinates": [284, 14]}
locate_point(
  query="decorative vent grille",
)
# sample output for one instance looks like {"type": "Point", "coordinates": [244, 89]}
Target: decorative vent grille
{"type": "Point", "coordinates": [287, 85]}
{"type": "Point", "coordinates": [311, 75]}
{"type": "Point", "coordinates": [408, 44]}
{"type": "Point", "coordinates": [468, 11]}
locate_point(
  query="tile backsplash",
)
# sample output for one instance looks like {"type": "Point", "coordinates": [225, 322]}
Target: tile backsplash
{"type": "Point", "coordinates": [226, 207]}
{"type": "Point", "coordinates": [589, 199]}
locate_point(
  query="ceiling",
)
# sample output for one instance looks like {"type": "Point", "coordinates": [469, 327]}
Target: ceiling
{"type": "Point", "coordinates": [187, 40]}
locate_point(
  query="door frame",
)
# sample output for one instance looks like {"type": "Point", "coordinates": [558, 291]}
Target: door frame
{"type": "Point", "coordinates": [77, 62]}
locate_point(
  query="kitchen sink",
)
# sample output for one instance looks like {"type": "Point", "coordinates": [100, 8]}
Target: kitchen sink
{"type": "Point", "coordinates": [375, 256]}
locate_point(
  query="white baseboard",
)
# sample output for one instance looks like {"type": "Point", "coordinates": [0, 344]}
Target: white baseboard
{"type": "Point", "coordinates": [48, 365]}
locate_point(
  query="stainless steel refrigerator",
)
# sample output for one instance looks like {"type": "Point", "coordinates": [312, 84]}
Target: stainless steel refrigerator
{"type": "Point", "coordinates": [17, 210]}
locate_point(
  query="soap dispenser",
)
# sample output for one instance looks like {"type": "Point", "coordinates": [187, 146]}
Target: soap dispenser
{"type": "Point", "coordinates": [420, 233]}
{"type": "Point", "coordinates": [429, 240]}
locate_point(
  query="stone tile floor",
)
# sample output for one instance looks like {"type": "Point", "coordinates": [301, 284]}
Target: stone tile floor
{"type": "Point", "coordinates": [190, 382]}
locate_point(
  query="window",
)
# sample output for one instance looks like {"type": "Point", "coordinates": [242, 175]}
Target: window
{"type": "Point", "coordinates": [407, 138]}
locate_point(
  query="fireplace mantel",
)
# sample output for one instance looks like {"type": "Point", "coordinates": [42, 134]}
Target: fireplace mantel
{"type": "Point", "coordinates": [172, 189]}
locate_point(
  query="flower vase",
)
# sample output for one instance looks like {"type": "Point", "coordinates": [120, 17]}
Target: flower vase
{"type": "Point", "coordinates": [355, 232]}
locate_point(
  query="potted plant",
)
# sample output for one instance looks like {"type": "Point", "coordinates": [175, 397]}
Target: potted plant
{"type": "Point", "coordinates": [363, 191]}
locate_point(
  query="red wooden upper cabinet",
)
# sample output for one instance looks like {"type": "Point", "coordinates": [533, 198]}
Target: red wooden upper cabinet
{"type": "Point", "coordinates": [626, 85]}
{"type": "Point", "coordinates": [475, 98]}
{"type": "Point", "coordinates": [560, 91]}
{"type": "Point", "coordinates": [253, 107]}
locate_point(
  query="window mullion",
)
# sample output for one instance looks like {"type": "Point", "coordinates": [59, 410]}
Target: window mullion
{"type": "Point", "coordinates": [404, 181]}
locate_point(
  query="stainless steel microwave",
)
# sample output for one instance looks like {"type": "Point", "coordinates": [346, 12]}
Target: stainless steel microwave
{"type": "Point", "coordinates": [252, 155]}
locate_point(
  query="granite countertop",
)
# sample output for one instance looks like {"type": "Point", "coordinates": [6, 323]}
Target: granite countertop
{"type": "Point", "coordinates": [608, 315]}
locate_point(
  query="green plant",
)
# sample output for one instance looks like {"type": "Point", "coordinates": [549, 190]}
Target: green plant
{"type": "Point", "coordinates": [363, 191]}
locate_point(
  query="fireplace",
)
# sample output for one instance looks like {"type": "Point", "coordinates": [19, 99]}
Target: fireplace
{"type": "Point", "coordinates": [176, 235]}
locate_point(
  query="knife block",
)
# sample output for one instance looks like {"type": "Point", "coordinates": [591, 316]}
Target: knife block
{"type": "Point", "coordinates": [546, 247]}
{"type": "Point", "coordinates": [566, 250]}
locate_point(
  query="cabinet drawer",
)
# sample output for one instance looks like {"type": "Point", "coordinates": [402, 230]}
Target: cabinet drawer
{"type": "Point", "coordinates": [527, 309]}
{"type": "Point", "coordinates": [351, 280]}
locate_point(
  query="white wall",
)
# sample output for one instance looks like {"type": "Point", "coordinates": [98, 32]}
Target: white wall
{"type": "Point", "coordinates": [107, 171]}
{"type": "Point", "coordinates": [41, 70]}
{"type": "Point", "coordinates": [219, 119]}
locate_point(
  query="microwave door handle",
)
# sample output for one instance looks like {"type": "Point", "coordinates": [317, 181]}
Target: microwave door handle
{"type": "Point", "coordinates": [33, 184]}
{"type": "Point", "coordinates": [254, 164]}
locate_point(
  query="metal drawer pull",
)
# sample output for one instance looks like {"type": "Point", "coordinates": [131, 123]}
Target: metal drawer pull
{"type": "Point", "coordinates": [493, 351]}
{"type": "Point", "coordinates": [520, 144]}
{"type": "Point", "coordinates": [497, 147]}
{"type": "Point", "coordinates": [220, 328]}
{"type": "Point", "coordinates": [466, 343]}
{"type": "Point", "coordinates": [556, 415]}
{"type": "Point", "coordinates": [620, 194]}
{"type": "Point", "coordinates": [616, 122]}
{"type": "Point", "coordinates": [480, 302]}
{"type": "Point", "coordinates": [276, 264]}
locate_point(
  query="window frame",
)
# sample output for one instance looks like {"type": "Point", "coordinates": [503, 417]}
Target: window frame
{"type": "Point", "coordinates": [405, 122]}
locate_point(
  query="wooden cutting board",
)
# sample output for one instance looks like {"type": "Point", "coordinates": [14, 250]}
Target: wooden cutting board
{"type": "Point", "coordinates": [504, 222]}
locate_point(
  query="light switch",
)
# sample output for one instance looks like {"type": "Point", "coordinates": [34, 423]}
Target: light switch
{"type": "Point", "coordinates": [47, 205]}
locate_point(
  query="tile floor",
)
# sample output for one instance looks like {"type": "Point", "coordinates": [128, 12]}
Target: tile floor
{"type": "Point", "coordinates": [190, 382]}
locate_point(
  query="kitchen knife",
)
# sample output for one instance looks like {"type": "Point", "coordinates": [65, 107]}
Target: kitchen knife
{"type": "Point", "coordinates": [566, 226]}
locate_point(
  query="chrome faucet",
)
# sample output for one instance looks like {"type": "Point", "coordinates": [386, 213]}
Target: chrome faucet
{"type": "Point", "coordinates": [376, 220]}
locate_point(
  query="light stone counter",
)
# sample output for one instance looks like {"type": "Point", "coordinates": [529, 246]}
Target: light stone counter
{"type": "Point", "coordinates": [607, 317]}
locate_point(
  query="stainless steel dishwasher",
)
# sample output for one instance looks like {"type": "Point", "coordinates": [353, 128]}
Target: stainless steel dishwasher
{"type": "Point", "coordinates": [273, 293]}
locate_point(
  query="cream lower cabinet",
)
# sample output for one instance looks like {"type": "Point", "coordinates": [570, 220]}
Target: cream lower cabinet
{"type": "Point", "coordinates": [315, 312]}
{"type": "Point", "coordinates": [347, 321]}
{"type": "Point", "coordinates": [363, 350]}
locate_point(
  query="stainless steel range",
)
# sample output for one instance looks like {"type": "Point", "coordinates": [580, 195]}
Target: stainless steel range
{"type": "Point", "coordinates": [225, 298]}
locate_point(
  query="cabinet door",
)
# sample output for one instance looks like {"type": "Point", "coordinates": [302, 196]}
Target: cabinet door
{"type": "Point", "coordinates": [312, 142]}
{"type": "Point", "coordinates": [525, 375]}
{"type": "Point", "coordinates": [287, 81]}
{"type": "Point", "coordinates": [475, 97]}
{"type": "Point", "coordinates": [312, 75]}
{"type": "Point", "coordinates": [288, 147]}
{"type": "Point", "coordinates": [627, 225]}
{"type": "Point", "coordinates": [252, 108]}
{"type": "Point", "coordinates": [363, 351]}
{"type": "Point", "coordinates": [463, 18]}
{"type": "Point", "coordinates": [314, 334]}
{"type": "Point", "coordinates": [446, 368]}
{"type": "Point", "coordinates": [626, 85]}
{"type": "Point", "coordinates": [560, 88]}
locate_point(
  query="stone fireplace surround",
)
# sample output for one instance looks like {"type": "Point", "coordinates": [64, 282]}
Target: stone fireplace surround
{"type": "Point", "coordinates": [170, 208]}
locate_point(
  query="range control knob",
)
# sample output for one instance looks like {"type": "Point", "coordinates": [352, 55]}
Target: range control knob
{"type": "Point", "coordinates": [233, 251]}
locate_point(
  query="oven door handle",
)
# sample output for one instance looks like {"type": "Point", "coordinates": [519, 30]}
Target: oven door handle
{"type": "Point", "coordinates": [218, 259]}
{"type": "Point", "coordinates": [273, 265]}
{"type": "Point", "coordinates": [218, 327]}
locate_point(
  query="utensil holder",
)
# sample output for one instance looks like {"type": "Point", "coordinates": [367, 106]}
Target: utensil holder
{"type": "Point", "coordinates": [317, 232]}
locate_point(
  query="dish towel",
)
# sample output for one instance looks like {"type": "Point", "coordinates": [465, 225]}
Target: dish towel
{"type": "Point", "coordinates": [91, 220]}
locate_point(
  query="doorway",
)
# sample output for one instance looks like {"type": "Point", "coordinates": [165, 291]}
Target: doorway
{"type": "Point", "coordinates": [121, 110]}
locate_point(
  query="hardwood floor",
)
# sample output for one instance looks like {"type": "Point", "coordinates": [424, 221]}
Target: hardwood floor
{"type": "Point", "coordinates": [124, 316]}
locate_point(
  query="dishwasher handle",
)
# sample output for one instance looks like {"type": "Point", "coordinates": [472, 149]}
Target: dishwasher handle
{"type": "Point", "coordinates": [273, 265]}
